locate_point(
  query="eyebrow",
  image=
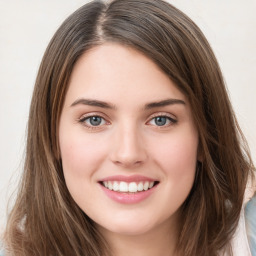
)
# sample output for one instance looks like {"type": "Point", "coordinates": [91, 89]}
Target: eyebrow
{"type": "Point", "coordinates": [164, 103]}
{"type": "Point", "coordinates": [95, 103]}
{"type": "Point", "coordinates": [102, 104]}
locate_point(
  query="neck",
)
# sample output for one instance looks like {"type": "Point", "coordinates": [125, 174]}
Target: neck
{"type": "Point", "coordinates": [159, 241]}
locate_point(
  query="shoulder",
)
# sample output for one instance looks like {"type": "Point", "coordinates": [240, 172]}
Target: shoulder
{"type": "Point", "coordinates": [250, 214]}
{"type": "Point", "coordinates": [1, 249]}
{"type": "Point", "coordinates": [250, 222]}
{"type": "Point", "coordinates": [244, 239]}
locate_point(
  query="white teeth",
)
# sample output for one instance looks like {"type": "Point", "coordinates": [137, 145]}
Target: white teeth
{"type": "Point", "coordinates": [123, 187]}
{"type": "Point", "coordinates": [131, 187]}
{"type": "Point", "coordinates": [115, 186]}
{"type": "Point", "coordinates": [110, 185]}
{"type": "Point", "coordinates": [145, 186]}
{"type": "Point", "coordinates": [140, 186]}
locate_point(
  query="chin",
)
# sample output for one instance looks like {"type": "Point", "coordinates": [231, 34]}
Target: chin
{"type": "Point", "coordinates": [128, 226]}
{"type": "Point", "coordinates": [129, 230]}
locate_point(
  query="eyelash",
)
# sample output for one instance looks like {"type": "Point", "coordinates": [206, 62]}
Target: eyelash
{"type": "Point", "coordinates": [83, 120]}
{"type": "Point", "coordinates": [171, 120]}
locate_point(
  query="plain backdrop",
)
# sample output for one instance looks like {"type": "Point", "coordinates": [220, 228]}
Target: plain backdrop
{"type": "Point", "coordinates": [26, 26]}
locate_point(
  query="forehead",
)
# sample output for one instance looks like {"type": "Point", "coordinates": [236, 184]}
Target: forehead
{"type": "Point", "coordinates": [118, 73]}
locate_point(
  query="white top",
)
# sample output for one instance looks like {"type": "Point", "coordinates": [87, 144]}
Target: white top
{"type": "Point", "coordinates": [244, 240]}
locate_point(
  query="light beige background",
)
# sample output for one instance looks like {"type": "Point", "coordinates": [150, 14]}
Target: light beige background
{"type": "Point", "coordinates": [26, 27]}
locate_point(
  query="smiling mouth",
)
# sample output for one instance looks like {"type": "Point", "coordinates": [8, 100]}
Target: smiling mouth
{"type": "Point", "coordinates": [129, 187]}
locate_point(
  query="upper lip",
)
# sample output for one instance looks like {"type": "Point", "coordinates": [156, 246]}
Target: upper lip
{"type": "Point", "coordinates": [135, 178]}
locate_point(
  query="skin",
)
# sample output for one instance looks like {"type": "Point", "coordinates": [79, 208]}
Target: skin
{"type": "Point", "coordinates": [128, 141]}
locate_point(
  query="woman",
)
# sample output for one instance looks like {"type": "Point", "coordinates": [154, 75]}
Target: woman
{"type": "Point", "coordinates": [133, 147]}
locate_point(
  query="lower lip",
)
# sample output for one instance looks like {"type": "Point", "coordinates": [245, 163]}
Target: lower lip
{"type": "Point", "coordinates": [128, 198]}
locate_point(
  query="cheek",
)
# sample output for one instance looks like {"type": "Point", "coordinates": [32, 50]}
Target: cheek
{"type": "Point", "coordinates": [177, 156]}
{"type": "Point", "coordinates": [80, 154]}
{"type": "Point", "coordinates": [81, 158]}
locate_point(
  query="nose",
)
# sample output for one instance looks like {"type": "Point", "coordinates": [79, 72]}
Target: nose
{"type": "Point", "coordinates": [128, 148]}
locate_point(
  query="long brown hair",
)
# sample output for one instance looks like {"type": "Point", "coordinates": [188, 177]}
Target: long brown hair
{"type": "Point", "coordinates": [45, 220]}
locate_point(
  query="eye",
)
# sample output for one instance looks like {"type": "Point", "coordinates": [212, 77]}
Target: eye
{"type": "Point", "coordinates": [93, 121]}
{"type": "Point", "coordinates": [162, 121]}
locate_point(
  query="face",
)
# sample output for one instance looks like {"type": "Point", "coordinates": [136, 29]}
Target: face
{"type": "Point", "coordinates": [128, 141]}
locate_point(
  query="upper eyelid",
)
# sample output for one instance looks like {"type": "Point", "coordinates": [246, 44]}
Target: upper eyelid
{"type": "Point", "coordinates": [91, 114]}
{"type": "Point", "coordinates": [172, 116]}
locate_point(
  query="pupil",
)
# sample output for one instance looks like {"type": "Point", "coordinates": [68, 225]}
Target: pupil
{"type": "Point", "coordinates": [95, 120]}
{"type": "Point", "coordinates": [160, 120]}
